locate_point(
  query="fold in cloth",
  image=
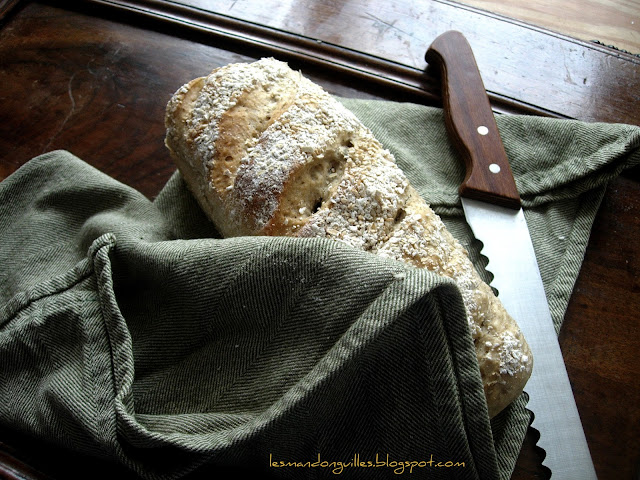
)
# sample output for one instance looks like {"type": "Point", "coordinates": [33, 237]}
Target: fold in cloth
{"type": "Point", "coordinates": [131, 332]}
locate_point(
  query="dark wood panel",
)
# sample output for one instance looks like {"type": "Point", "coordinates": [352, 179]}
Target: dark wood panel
{"type": "Point", "coordinates": [600, 337]}
{"type": "Point", "coordinates": [522, 66]}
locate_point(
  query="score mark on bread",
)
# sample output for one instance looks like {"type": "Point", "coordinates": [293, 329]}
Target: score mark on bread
{"type": "Point", "coordinates": [265, 151]}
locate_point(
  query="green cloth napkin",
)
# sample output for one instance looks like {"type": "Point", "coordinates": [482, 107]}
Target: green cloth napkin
{"type": "Point", "coordinates": [131, 332]}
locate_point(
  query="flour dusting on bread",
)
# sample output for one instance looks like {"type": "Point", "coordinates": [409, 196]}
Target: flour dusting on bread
{"type": "Point", "coordinates": [267, 152]}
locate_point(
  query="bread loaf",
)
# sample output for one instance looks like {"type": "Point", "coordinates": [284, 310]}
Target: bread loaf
{"type": "Point", "coordinates": [267, 152]}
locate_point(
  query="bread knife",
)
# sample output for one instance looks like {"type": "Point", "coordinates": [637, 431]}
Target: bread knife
{"type": "Point", "coordinates": [493, 210]}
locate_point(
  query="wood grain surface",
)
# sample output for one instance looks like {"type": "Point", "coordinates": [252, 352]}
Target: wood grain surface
{"type": "Point", "coordinates": [94, 77]}
{"type": "Point", "coordinates": [611, 22]}
{"type": "Point", "coordinates": [518, 62]}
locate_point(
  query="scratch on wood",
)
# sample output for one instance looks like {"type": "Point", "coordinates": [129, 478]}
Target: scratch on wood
{"type": "Point", "coordinates": [388, 25]}
{"type": "Point", "coordinates": [67, 117]}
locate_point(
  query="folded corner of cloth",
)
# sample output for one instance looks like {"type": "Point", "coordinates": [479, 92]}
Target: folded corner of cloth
{"type": "Point", "coordinates": [239, 351]}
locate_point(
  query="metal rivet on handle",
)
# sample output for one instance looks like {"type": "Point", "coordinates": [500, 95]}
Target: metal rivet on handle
{"type": "Point", "coordinates": [482, 130]}
{"type": "Point", "coordinates": [494, 168]}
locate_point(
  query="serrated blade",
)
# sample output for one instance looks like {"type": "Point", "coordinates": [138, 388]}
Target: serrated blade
{"type": "Point", "coordinates": [512, 261]}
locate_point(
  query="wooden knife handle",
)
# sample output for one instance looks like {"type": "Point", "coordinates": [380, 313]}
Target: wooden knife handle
{"type": "Point", "coordinates": [471, 124]}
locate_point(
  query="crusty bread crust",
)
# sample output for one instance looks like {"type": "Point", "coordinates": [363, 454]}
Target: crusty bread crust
{"type": "Point", "coordinates": [267, 152]}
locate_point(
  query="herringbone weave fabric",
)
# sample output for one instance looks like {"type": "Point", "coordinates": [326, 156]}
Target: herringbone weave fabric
{"type": "Point", "coordinates": [131, 332]}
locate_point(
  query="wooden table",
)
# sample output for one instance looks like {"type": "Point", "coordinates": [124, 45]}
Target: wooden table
{"type": "Point", "coordinates": [94, 78]}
